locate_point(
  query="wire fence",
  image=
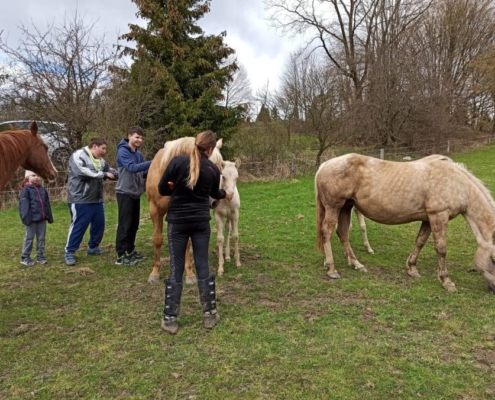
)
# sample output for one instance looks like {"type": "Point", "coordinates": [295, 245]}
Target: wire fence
{"type": "Point", "coordinates": [274, 169]}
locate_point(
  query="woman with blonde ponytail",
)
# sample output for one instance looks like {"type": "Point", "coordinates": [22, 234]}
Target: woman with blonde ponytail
{"type": "Point", "coordinates": [190, 181]}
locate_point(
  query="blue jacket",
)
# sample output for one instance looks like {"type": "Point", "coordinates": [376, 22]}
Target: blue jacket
{"type": "Point", "coordinates": [132, 170]}
{"type": "Point", "coordinates": [34, 204]}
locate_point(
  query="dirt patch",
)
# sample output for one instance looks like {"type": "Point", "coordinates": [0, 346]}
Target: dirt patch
{"type": "Point", "coordinates": [485, 358]}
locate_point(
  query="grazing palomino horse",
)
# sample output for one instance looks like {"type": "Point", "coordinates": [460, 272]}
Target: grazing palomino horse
{"type": "Point", "coordinates": [432, 190]}
{"type": "Point", "coordinates": [228, 211]}
{"type": "Point", "coordinates": [159, 204]}
{"type": "Point", "coordinates": [362, 226]}
{"type": "Point", "coordinates": [24, 148]}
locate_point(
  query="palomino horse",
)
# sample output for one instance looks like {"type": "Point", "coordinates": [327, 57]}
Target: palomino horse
{"type": "Point", "coordinates": [362, 226]}
{"type": "Point", "coordinates": [433, 190]}
{"type": "Point", "coordinates": [159, 204]}
{"type": "Point", "coordinates": [228, 211]}
{"type": "Point", "coordinates": [24, 148]}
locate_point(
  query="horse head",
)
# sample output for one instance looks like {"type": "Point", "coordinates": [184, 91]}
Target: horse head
{"type": "Point", "coordinates": [230, 174]}
{"type": "Point", "coordinates": [37, 159]}
{"type": "Point", "coordinates": [484, 260]}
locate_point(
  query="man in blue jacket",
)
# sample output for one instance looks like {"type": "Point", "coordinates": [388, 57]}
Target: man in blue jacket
{"type": "Point", "coordinates": [131, 184]}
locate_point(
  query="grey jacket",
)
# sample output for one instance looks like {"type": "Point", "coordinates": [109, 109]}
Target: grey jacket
{"type": "Point", "coordinates": [85, 185]}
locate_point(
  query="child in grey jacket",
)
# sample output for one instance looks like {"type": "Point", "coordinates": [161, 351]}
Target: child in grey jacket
{"type": "Point", "coordinates": [35, 211]}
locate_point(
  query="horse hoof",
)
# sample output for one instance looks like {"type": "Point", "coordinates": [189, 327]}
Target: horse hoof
{"type": "Point", "coordinates": [450, 288]}
{"type": "Point", "coordinates": [227, 259]}
{"type": "Point", "coordinates": [414, 274]}
{"type": "Point", "coordinates": [333, 275]}
{"type": "Point", "coordinates": [238, 265]}
{"type": "Point", "coordinates": [371, 251]}
{"type": "Point", "coordinates": [154, 279]}
{"type": "Point", "coordinates": [361, 268]}
{"type": "Point", "coordinates": [190, 280]}
{"type": "Point", "coordinates": [219, 273]}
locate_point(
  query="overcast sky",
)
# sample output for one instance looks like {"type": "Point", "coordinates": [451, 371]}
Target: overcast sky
{"type": "Point", "coordinates": [259, 48]}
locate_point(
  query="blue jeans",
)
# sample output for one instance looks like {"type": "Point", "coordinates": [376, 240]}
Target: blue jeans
{"type": "Point", "coordinates": [82, 215]}
{"type": "Point", "coordinates": [178, 235]}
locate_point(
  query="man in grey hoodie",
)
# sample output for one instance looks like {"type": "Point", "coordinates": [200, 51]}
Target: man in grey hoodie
{"type": "Point", "coordinates": [131, 184]}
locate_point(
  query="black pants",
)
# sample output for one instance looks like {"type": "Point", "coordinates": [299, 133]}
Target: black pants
{"type": "Point", "coordinates": [178, 235]}
{"type": "Point", "coordinates": [129, 212]}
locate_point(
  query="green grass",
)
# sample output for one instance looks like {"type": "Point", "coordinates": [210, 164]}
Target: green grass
{"type": "Point", "coordinates": [287, 332]}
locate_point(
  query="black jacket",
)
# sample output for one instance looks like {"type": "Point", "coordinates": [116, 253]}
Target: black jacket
{"type": "Point", "coordinates": [188, 205]}
{"type": "Point", "coordinates": [34, 204]}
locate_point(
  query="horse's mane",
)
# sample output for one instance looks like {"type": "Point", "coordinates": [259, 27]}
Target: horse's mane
{"type": "Point", "coordinates": [13, 146]}
{"type": "Point", "coordinates": [480, 185]}
{"type": "Point", "coordinates": [182, 147]}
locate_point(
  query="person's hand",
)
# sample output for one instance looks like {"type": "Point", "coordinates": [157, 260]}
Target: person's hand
{"type": "Point", "coordinates": [110, 175]}
{"type": "Point", "coordinates": [229, 196]}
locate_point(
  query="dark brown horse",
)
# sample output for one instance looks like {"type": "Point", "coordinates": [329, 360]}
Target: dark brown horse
{"type": "Point", "coordinates": [24, 148]}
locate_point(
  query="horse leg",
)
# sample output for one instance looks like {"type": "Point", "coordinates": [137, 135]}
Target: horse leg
{"type": "Point", "coordinates": [235, 236]}
{"type": "Point", "coordinates": [228, 230]}
{"type": "Point", "coordinates": [190, 277]}
{"type": "Point", "coordinates": [220, 239]}
{"type": "Point", "coordinates": [421, 239]}
{"type": "Point", "coordinates": [362, 225]}
{"type": "Point", "coordinates": [327, 227]}
{"type": "Point", "coordinates": [343, 234]}
{"type": "Point", "coordinates": [438, 224]}
{"type": "Point", "coordinates": [157, 218]}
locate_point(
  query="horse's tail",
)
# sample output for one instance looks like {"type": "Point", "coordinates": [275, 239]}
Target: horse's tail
{"type": "Point", "coordinates": [320, 216]}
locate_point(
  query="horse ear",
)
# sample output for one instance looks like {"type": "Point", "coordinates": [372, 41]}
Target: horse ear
{"type": "Point", "coordinates": [12, 127]}
{"type": "Point", "coordinates": [237, 162]}
{"type": "Point", "coordinates": [219, 143]}
{"type": "Point", "coordinates": [34, 128]}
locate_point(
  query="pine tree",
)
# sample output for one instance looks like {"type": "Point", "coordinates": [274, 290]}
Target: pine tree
{"type": "Point", "coordinates": [185, 67]}
{"type": "Point", "coordinates": [264, 114]}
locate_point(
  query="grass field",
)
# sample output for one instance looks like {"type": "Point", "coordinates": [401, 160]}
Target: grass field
{"type": "Point", "coordinates": [287, 331]}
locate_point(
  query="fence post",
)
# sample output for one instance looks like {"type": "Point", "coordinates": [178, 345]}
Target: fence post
{"type": "Point", "coordinates": [448, 146]}
{"type": "Point", "coordinates": [382, 154]}
{"type": "Point", "coordinates": [293, 168]}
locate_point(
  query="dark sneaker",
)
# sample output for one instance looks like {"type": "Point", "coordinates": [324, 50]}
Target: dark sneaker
{"type": "Point", "coordinates": [95, 252]}
{"type": "Point", "coordinates": [42, 260]}
{"type": "Point", "coordinates": [70, 259]}
{"type": "Point", "coordinates": [125, 260]}
{"type": "Point", "coordinates": [136, 256]}
{"type": "Point", "coordinates": [27, 262]}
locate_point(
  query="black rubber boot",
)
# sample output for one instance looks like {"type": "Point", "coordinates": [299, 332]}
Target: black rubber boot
{"type": "Point", "coordinates": [173, 293]}
{"type": "Point", "coordinates": [208, 301]}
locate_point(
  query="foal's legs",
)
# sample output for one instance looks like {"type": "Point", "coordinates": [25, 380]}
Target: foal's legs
{"type": "Point", "coordinates": [220, 240]}
{"type": "Point", "coordinates": [438, 224]}
{"type": "Point", "coordinates": [235, 236]}
{"type": "Point", "coordinates": [362, 225]}
{"type": "Point", "coordinates": [343, 234]}
{"type": "Point", "coordinates": [228, 230]}
{"type": "Point", "coordinates": [421, 239]}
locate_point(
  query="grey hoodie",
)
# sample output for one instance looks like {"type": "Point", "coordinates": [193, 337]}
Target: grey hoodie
{"type": "Point", "coordinates": [85, 185]}
{"type": "Point", "coordinates": [132, 170]}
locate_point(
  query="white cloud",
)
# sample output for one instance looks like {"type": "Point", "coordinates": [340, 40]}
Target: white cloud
{"type": "Point", "coordinates": [258, 47]}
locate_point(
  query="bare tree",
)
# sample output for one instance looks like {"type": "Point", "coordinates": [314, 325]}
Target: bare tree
{"type": "Point", "coordinates": [60, 74]}
{"type": "Point", "coordinates": [238, 91]}
{"type": "Point", "coordinates": [310, 93]}
{"type": "Point", "coordinates": [343, 29]}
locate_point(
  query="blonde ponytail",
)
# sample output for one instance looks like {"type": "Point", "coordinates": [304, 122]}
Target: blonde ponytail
{"type": "Point", "coordinates": [205, 141]}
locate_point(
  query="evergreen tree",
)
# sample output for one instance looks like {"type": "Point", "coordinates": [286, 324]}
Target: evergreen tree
{"type": "Point", "coordinates": [264, 114]}
{"type": "Point", "coordinates": [185, 67]}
